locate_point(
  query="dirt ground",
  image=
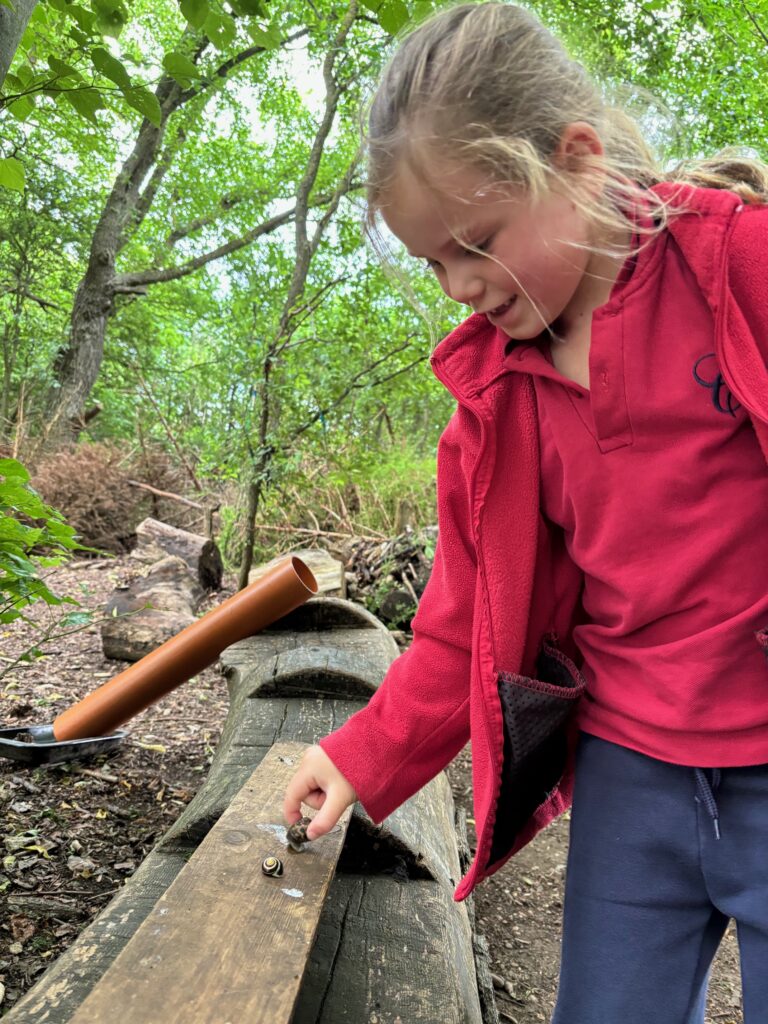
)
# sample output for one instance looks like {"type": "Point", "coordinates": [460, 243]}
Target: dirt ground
{"type": "Point", "coordinates": [73, 833]}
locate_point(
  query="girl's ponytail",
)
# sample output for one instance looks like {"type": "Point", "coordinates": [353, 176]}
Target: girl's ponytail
{"type": "Point", "coordinates": [729, 169]}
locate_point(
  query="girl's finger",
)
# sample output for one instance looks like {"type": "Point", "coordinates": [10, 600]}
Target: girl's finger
{"type": "Point", "coordinates": [297, 791]}
{"type": "Point", "coordinates": [315, 799]}
{"type": "Point", "coordinates": [330, 812]}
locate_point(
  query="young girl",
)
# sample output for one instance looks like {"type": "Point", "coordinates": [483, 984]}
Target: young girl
{"type": "Point", "coordinates": [602, 498]}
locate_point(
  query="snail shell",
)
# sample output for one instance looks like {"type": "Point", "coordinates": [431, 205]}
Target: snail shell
{"type": "Point", "coordinates": [297, 834]}
{"type": "Point", "coordinates": [272, 866]}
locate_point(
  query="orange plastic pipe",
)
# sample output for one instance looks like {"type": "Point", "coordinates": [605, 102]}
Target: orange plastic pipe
{"type": "Point", "coordinates": [278, 592]}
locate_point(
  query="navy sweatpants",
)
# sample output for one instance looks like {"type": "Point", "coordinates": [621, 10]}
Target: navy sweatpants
{"type": "Point", "coordinates": [660, 858]}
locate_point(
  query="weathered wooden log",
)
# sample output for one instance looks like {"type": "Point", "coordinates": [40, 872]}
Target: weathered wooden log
{"type": "Point", "coordinates": [152, 609]}
{"type": "Point", "coordinates": [155, 540]}
{"type": "Point", "coordinates": [391, 941]}
{"type": "Point", "coordinates": [326, 569]}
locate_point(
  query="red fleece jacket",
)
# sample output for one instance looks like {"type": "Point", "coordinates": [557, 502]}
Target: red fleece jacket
{"type": "Point", "coordinates": [501, 578]}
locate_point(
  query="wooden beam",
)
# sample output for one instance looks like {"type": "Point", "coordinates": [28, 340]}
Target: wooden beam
{"type": "Point", "coordinates": [227, 943]}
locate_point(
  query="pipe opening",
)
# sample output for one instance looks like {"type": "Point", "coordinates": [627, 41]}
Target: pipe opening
{"type": "Point", "coordinates": [304, 574]}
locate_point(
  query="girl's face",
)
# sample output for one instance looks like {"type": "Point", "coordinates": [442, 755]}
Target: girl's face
{"type": "Point", "coordinates": [534, 263]}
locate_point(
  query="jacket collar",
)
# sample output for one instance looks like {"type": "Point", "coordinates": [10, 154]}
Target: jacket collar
{"type": "Point", "coordinates": [472, 356]}
{"type": "Point", "coordinates": [703, 245]}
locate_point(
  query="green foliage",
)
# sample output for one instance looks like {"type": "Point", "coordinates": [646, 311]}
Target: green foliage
{"type": "Point", "coordinates": [33, 537]}
{"type": "Point", "coordinates": [705, 61]}
{"type": "Point", "coordinates": [188, 363]}
{"type": "Point", "coordinates": [12, 174]}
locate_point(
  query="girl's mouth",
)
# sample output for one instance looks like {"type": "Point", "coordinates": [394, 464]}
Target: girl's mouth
{"type": "Point", "coordinates": [502, 309]}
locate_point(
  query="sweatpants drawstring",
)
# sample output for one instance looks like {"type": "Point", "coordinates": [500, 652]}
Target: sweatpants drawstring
{"type": "Point", "coordinates": [707, 796]}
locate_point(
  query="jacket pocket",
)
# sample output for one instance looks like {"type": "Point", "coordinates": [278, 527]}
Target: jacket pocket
{"type": "Point", "coordinates": [536, 714]}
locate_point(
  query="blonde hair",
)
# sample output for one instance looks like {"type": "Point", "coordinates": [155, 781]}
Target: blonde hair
{"type": "Point", "coordinates": [488, 86]}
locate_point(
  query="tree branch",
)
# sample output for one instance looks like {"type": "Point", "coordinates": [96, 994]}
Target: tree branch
{"type": "Point", "coordinates": [146, 277]}
{"type": "Point", "coordinates": [145, 199]}
{"type": "Point", "coordinates": [25, 293]}
{"type": "Point", "coordinates": [355, 384]}
{"type": "Point", "coordinates": [226, 203]}
{"type": "Point", "coordinates": [760, 31]}
{"type": "Point", "coordinates": [305, 251]}
{"type": "Point", "coordinates": [229, 65]}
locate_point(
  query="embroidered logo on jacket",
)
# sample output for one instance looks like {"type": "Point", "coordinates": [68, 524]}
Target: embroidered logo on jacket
{"type": "Point", "coordinates": [722, 399]}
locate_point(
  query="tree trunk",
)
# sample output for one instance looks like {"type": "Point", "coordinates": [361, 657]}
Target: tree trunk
{"type": "Point", "coordinates": [13, 21]}
{"type": "Point", "coordinates": [254, 496]}
{"type": "Point", "coordinates": [78, 365]}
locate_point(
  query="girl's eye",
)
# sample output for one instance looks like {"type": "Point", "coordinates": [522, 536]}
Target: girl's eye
{"type": "Point", "coordinates": [478, 247]}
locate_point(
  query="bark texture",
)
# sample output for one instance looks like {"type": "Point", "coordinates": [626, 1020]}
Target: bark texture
{"type": "Point", "coordinates": [13, 22]}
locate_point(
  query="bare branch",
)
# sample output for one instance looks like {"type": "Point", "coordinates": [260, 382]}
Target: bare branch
{"type": "Point", "coordinates": [758, 28]}
{"type": "Point", "coordinates": [305, 251]}
{"type": "Point", "coordinates": [147, 196]}
{"type": "Point", "coordinates": [167, 494]}
{"type": "Point", "coordinates": [146, 277]}
{"type": "Point", "coordinates": [229, 65]}
{"type": "Point", "coordinates": [356, 383]}
{"type": "Point", "coordinates": [301, 313]}
{"type": "Point", "coordinates": [344, 186]}
{"type": "Point", "coordinates": [226, 203]}
{"type": "Point", "coordinates": [25, 293]}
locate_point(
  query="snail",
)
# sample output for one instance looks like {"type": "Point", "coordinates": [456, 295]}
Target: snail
{"type": "Point", "coordinates": [272, 866]}
{"type": "Point", "coordinates": [297, 834]}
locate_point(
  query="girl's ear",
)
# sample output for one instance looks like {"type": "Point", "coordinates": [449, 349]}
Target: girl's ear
{"type": "Point", "coordinates": [579, 148]}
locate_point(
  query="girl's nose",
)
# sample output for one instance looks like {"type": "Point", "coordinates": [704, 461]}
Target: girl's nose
{"type": "Point", "coordinates": [464, 285]}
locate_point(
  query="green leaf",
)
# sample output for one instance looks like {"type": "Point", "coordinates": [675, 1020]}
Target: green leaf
{"type": "Point", "coordinates": [248, 8]}
{"type": "Point", "coordinates": [59, 67]}
{"type": "Point", "coordinates": [86, 102]}
{"type": "Point", "coordinates": [79, 38]}
{"type": "Point", "coordinates": [85, 19]}
{"type": "Point", "coordinates": [76, 619]}
{"type": "Point", "coordinates": [18, 496]}
{"type": "Point", "coordinates": [195, 11]}
{"type": "Point", "coordinates": [12, 469]}
{"type": "Point", "coordinates": [421, 10]}
{"type": "Point", "coordinates": [24, 74]}
{"type": "Point", "coordinates": [269, 38]}
{"type": "Point", "coordinates": [392, 16]}
{"type": "Point", "coordinates": [220, 29]}
{"type": "Point", "coordinates": [372, 5]}
{"type": "Point", "coordinates": [145, 102]}
{"type": "Point", "coordinates": [12, 174]}
{"type": "Point", "coordinates": [111, 16]}
{"type": "Point", "coordinates": [181, 68]}
{"type": "Point", "coordinates": [111, 68]}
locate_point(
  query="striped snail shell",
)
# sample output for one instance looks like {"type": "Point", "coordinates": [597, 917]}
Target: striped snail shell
{"type": "Point", "coordinates": [272, 866]}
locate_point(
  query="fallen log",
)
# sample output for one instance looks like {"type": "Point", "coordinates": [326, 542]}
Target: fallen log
{"type": "Point", "coordinates": [391, 944]}
{"type": "Point", "coordinates": [149, 611]}
{"type": "Point", "coordinates": [326, 569]}
{"type": "Point", "coordinates": [154, 540]}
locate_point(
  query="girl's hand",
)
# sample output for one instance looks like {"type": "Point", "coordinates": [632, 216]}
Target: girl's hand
{"type": "Point", "coordinates": [320, 784]}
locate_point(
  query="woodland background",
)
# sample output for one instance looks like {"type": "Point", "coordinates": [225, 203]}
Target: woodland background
{"type": "Point", "coordinates": [186, 297]}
